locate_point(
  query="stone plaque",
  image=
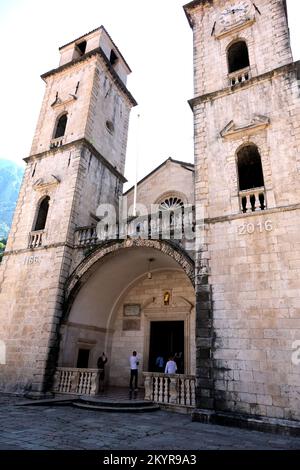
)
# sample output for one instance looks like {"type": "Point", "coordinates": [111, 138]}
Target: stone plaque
{"type": "Point", "coordinates": [132, 310]}
{"type": "Point", "coordinates": [133, 324]}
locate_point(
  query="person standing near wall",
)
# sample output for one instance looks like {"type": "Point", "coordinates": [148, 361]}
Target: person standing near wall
{"type": "Point", "coordinates": [134, 367]}
{"type": "Point", "coordinates": [101, 366]}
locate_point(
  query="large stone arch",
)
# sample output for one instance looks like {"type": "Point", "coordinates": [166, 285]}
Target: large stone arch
{"type": "Point", "coordinates": [92, 262]}
{"type": "Point", "coordinates": [99, 288]}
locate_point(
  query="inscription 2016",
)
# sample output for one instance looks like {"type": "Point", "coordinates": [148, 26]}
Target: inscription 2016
{"type": "Point", "coordinates": [260, 227]}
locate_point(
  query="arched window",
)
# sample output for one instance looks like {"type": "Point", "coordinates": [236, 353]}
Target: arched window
{"type": "Point", "coordinates": [238, 56]}
{"type": "Point", "coordinates": [61, 126]}
{"type": "Point", "coordinates": [41, 219]}
{"type": "Point", "coordinates": [171, 204]}
{"type": "Point", "coordinates": [250, 168]}
{"type": "Point", "coordinates": [81, 47]}
{"type": "Point", "coordinates": [251, 178]}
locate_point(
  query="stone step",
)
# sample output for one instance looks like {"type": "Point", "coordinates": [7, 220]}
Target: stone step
{"type": "Point", "coordinates": [117, 407]}
{"type": "Point", "coordinates": [120, 402]}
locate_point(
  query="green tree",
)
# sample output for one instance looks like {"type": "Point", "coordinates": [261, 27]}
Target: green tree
{"type": "Point", "coordinates": [2, 248]}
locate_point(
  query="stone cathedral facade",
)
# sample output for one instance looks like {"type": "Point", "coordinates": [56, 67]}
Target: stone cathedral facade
{"type": "Point", "coordinates": [227, 301]}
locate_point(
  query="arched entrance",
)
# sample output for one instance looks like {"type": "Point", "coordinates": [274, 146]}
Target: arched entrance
{"type": "Point", "coordinates": [116, 301]}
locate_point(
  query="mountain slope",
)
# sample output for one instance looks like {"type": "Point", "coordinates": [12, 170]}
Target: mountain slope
{"type": "Point", "coordinates": [10, 181]}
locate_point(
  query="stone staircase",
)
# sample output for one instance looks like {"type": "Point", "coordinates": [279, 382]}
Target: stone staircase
{"type": "Point", "coordinates": [114, 405]}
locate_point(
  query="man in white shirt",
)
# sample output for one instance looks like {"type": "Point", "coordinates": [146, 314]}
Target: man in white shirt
{"type": "Point", "coordinates": [171, 366]}
{"type": "Point", "coordinates": [134, 363]}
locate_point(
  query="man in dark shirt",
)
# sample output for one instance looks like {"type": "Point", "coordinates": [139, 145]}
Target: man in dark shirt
{"type": "Point", "coordinates": [101, 365]}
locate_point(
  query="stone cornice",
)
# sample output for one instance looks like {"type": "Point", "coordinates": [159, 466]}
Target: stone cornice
{"type": "Point", "coordinates": [38, 250]}
{"type": "Point", "coordinates": [90, 147]}
{"type": "Point", "coordinates": [292, 67]}
{"type": "Point", "coordinates": [109, 68]}
{"type": "Point", "coordinates": [86, 327]}
{"type": "Point", "coordinates": [240, 216]}
{"type": "Point", "coordinates": [191, 6]}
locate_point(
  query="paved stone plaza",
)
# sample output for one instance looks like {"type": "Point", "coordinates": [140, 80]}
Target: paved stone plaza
{"type": "Point", "coordinates": [67, 428]}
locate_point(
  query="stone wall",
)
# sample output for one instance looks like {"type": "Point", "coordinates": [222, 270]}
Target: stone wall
{"type": "Point", "coordinates": [255, 271]}
{"type": "Point", "coordinates": [169, 180]}
{"type": "Point", "coordinates": [247, 267]}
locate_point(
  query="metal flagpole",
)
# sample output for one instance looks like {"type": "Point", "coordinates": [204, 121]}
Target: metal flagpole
{"type": "Point", "coordinates": [136, 164]}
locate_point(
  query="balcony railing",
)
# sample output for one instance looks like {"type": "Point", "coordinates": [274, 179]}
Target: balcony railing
{"type": "Point", "coordinates": [177, 226]}
{"type": "Point", "coordinates": [76, 381]}
{"type": "Point", "coordinates": [167, 389]}
{"type": "Point", "coordinates": [36, 238]}
{"type": "Point", "coordinates": [55, 143]}
{"type": "Point", "coordinates": [86, 236]}
{"type": "Point", "coordinates": [253, 200]}
{"type": "Point", "coordinates": [240, 76]}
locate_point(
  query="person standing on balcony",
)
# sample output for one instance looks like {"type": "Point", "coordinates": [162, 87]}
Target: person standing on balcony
{"type": "Point", "coordinates": [171, 366]}
{"type": "Point", "coordinates": [160, 362]}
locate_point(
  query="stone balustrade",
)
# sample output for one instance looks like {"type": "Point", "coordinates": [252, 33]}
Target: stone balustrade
{"type": "Point", "coordinates": [240, 76]}
{"type": "Point", "coordinates": [76, 381]}
{"type": "Point", "coordinates": [36, 239]}
{"type": "Point", "coordinates": [86, 236]}
{"type": "Point", "coordinates": [55, 143]}
{"type": "Point", "coordinates": [176, 226]}
{"type": "Point", "coordinates": [169, 389]}
{"type": "Point", "coordinates": [253, 200]}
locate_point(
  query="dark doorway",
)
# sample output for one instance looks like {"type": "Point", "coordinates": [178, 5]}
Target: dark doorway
{"type": "Point", "coordinates": [83, 359]}
{"type": "Point", "coordinates": [166, 339]}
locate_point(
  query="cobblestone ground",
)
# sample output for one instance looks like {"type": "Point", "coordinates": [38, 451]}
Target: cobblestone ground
{"type": "Point", "coordinates": [66, 428]}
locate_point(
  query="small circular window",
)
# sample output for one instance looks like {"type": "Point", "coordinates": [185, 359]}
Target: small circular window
{"type": "Point", "coordinates": [110, 127]}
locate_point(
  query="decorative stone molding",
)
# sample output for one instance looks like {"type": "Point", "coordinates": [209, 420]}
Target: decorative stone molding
{"type": "Point", "coordinates": [234, 19]}
{"type": "Point", "coordinates": [235, 131]}
{"type": "Point", "coordinates": [59, 102]}
{"type": "Point", "coordinates": [41, 184]}
{"type": "Point", "coordinates": [234, 28]}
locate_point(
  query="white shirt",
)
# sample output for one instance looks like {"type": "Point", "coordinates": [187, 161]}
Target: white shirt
{"type": "Point", "coordinates": [133, 362]}
{"type": "Point", "coordinates": [171, 367]}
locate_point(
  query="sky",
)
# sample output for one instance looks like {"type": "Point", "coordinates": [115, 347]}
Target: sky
{"type": "Point", "coordinates": [155, 39]}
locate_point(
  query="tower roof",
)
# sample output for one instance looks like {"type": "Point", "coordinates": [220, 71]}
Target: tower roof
{"type": "Point", "coordinates": [101, 28]}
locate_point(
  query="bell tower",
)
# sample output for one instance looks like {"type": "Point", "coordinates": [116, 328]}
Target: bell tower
{"type": "Point", "coordinates": [76, 162]}
{"type": "Point", "coordinates": [247, 162]}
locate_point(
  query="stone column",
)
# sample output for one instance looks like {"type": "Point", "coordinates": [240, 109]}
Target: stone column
{"type": "Point", "coordinates": [148, 385]}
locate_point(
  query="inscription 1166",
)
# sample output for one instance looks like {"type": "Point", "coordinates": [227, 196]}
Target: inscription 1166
{"type": "Point", "coordinates": [32, 260]}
